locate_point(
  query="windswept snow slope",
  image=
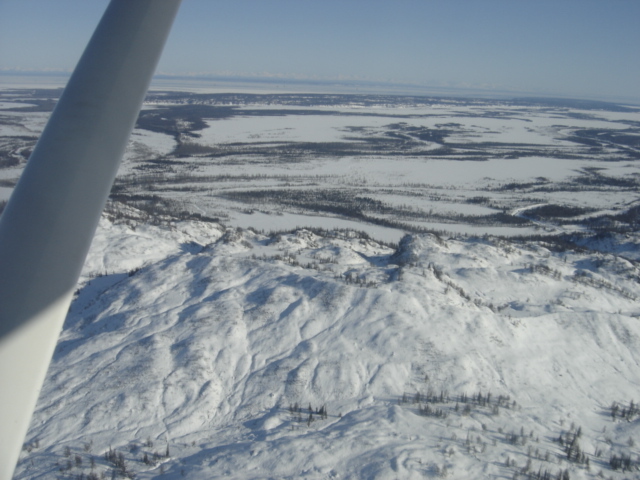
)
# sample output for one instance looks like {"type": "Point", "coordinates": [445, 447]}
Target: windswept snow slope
{"type": "Point", "coordinates": [209, 349]}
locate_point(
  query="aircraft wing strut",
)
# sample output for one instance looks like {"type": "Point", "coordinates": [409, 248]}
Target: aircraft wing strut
{"type": "Point", "coordinates": [48, 224]}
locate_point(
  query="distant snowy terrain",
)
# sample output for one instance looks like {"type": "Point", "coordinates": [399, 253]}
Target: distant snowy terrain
{"type": "Point", "coordinates": [383, 164]}
{"type": "Point", "coordinates": [300, 286]}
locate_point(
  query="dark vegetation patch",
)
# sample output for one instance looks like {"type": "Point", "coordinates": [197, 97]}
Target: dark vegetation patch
{"type": "Point", "coordinates": [151, 209]}
{"type": "Point", "coordinates": [520, 185]}
{"type": "Point", "coordinates": [354, 205]}
{"type": "Point", "coordinates": [625, 222]}
{"type": "Point", "coordinates": [190, 149]}
{"type": "Point", "coordinates": [424, 134]}
{"type": "Point", "coordinates": [589, 180]}
{"type": "Point", "coordinates": [599, 180]}
{"type": "Point", "coordinates": [181, 119]}
{"type": "Point", "coordinates": [631, 217]}
{"type": "Point", "coordinates": [580, 104]}
{"type": "Point", "coordinates": [360, 100]}
{"type": "Point", "coordinates": [15, 150]}
{"type": "Point", "coordinates": [557, 211]}
{"type": "Point", "coordinates": [8, 160]}
{"type": "Point", "coordinates": [292, 152]}
{"type": "Point", "coordinates": [628, 139]}
{"type": "Point", "coordinates": [134, 182]}
{"type": "Point", "coordinates": [298, 100]}
{"type": "Point", "coordinates": [41, 99]}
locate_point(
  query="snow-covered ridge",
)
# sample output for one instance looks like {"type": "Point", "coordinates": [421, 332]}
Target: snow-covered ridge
{"type": "Point", "coordinates": [213, 344]}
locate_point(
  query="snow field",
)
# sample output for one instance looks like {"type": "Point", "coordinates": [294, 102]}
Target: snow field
{"type": "Point", "coordinates": [208, 348]}
{"type": "Point", "coordinates": [443, 183]}
{"type": "Point", "coordinates": [289, 128]}
{"type": "Point", "coordinates": [524, 127]}
{"type": "Point", "coordinates": [203, 338]}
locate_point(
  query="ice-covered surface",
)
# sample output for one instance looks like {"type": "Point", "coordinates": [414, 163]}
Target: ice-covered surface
{"type": "Point", "coordinates": [308, 128]}
{"type": "Point", "coordinates": [145, 145]}
{"type": "Point", "coordinates": [442, 164]}
{"type": "Point", "coordinates": [209, 346]}
{"type": "Point", "coordinates": [289, 221]}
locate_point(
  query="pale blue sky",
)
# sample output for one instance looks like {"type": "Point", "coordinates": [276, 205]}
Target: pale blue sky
{"type": "Point", "coordinates": [580, 48]}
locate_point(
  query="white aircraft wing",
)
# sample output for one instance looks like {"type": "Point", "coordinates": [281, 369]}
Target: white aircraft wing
{"type": "Point", "coordinates": [48, 224]}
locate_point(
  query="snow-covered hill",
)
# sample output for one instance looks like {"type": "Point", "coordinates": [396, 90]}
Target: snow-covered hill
{"type": "Point", "coordinates": [464, 359]}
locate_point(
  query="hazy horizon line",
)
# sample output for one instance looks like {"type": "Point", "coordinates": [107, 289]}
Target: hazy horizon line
{"type": "Point", "coordinates": [381, 87]}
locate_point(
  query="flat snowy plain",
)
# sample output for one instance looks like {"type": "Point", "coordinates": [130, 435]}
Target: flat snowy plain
{"type": "Point", "coordinates": [196, 349]}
